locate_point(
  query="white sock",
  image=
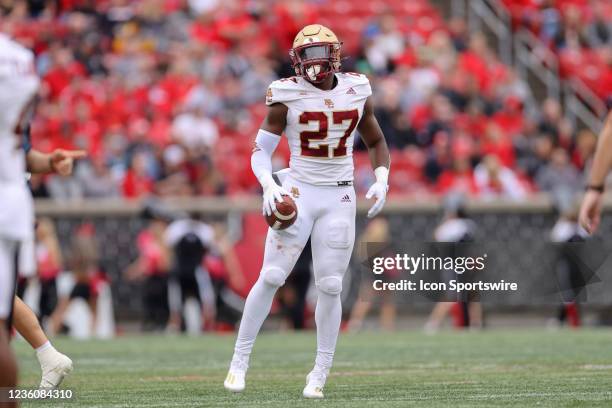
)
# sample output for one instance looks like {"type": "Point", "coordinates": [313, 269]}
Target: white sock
{"type": "Point", "coordinates": [327, 316]}
{"type": "Point", "coordinates": [45, 352]}
{"type": "Point", "coordinates": [256, 309]}
{"type": "Point", "coordinates": [44, 347]}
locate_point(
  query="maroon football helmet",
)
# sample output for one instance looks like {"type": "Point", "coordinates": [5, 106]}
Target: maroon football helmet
{"type": "Point", "coordinates": [316, 53]}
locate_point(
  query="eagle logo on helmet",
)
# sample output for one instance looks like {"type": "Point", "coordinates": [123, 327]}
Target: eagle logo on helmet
{"type": "Point", "coordinates": [316, 53]}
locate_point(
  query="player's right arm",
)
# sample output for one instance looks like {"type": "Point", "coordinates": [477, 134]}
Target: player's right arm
{"type": "Point", "coordinates": [59, 161]}
{"type": "Point", "coordinates": [590, 211]}
{"type": "Point", "coordinates": [266, 141]}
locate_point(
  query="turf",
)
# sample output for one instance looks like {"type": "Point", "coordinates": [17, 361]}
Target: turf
{"type": "Point", "coordinates": [472, 369]}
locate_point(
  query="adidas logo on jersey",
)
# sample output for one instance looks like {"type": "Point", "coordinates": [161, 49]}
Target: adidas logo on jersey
{"type": "Point", "coordinates": [351, 91]}
{"type": "Point", "coordinates": [346, 199]}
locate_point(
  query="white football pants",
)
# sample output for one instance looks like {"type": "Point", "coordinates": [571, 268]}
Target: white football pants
{"type": "Point", "coordinates": [327, 215]}
{"type": "Point", "coordinates": [8, 269]}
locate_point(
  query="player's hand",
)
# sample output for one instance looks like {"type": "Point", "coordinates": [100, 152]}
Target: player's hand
{"type": "Point", "coordinates": [378, 190]}
{"type": "Point", "coordinates": [272, 193]}
{"type": "Point", "coordinates": [590, 211]}
{"type": "Point", "coordinates": [62, 161]}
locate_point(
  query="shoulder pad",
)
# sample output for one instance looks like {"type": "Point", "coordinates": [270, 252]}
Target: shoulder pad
{"type": "Point", "coordinates": [284, 90]}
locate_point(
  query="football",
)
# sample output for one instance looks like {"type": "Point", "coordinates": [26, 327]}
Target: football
{"type": "Point", "coordinates": [284, 215]}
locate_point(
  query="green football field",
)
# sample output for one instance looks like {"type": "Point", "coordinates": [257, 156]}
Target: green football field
{"type": "Point", "coordinates": [473, 369]}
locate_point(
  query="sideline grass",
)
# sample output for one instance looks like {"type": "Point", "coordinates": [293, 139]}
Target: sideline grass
{"type": "Point", "coordinates": [472, 369]}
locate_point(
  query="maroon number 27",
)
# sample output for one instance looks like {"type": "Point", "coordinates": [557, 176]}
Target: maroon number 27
{"type": "Point", "coordinates": [323, 149]}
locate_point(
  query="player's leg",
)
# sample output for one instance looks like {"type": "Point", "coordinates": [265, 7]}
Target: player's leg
{"type": "Point", "coordinates": [53, 364]}
{"type": "Point", "coordinates": [282, 250]}
{"type": "Point", "coordinates": [333, 236]}
{"type": "Point", "coordinates": [8, 364]}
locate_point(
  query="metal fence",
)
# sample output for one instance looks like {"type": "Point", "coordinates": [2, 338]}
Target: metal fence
{"type": "Point", "coordinates": [117, 224]}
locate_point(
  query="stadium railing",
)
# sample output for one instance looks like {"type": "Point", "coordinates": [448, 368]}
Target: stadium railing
{"type": "Point", "coordinates": [533, 60]}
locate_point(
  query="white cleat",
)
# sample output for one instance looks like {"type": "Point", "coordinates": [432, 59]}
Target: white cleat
{"type": "Point", "coordinates": [55, 367]}
{"type": "Point", "coordinates": [314, 386]}
{"type": "Point", "coordinates": [234, 381]}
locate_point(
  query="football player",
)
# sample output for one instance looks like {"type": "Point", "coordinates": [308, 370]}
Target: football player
{"type": "Point", "coordinates": [18, 84]}
{"type": "Point", "coordinates": [18, 88]}
{"type": "Point", "coordinates": [319, 110]}
{"type": "Point", "coordinates": [590, 212]}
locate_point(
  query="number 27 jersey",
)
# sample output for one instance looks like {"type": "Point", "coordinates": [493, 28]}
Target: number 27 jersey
{"type": "Point", "coordinates": [321, 126]}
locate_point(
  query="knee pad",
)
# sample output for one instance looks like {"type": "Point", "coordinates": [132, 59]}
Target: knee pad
{"type": "Point", "coordinates": [274, 276]}
{"type": "Point", "coordinates": [332, 285]}
{"type": "Point", "coordinates": [338, 235]}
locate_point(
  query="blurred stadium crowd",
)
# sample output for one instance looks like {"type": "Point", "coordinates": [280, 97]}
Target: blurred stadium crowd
{"type": "Point", "coordinates": [579, 31]}
{"type": "Point", "coordinates": [166, 95]}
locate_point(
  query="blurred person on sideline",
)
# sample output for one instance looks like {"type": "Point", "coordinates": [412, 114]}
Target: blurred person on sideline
{"type": "Point", "coordinates": [152, 268]}
{"type": "Point", "coordinates": [377, 231]}
{"type": "Point", "coordinates": [227, 277]}
{"type": "Point", "coordinates": [189, 240]}
{"type": "Point", "coordinates": [206, 271]}
{"type": "Point", "coordinates": [567, 268]}
{"type": "Point", "coordinates": [457, 227]}
{"type": "Point", "coordinates": [49, 264]}
{"type": "Point", "coordinates": [84, 264]}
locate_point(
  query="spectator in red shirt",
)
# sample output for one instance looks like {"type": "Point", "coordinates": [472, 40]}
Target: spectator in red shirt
{"type": "Point", "coordinates": [459, 179]}
{"type": "Point", "coordinates": [499, 144]}
{"type": "Point", "coordinates": [290, 16]}
{"type": "Point", "coordinates": [63, 70]}
{"type": "Point", "coordinates": [137, 183]}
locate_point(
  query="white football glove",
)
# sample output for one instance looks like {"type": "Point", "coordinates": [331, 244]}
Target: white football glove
{"type": "Point", "coordinates": [378, 190]}
{"type": "Point", "coordinates": [272, 192]}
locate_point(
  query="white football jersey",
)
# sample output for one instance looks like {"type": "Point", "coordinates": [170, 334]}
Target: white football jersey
{"type": "Point", "coordinates": [321, 126]}
{"type": "Point", "coordinates": [18, 84]}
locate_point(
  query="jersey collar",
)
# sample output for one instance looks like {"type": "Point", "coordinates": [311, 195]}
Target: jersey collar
{"type": "Point", "coordinates": [311, 87]}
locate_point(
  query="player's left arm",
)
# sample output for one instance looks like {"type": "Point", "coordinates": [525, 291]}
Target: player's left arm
{"type": "Point", "coordinates": [590, 211]}
{"type": "Point", "coordinates": [373, 137]}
